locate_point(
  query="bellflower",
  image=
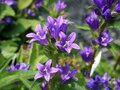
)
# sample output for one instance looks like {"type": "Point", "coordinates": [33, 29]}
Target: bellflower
{"type": "Point", "coordinates": [18, 66]}
{"type": "Point", "coordinates": [117, 7]}
{"type": "Point", "coordinates": [67, 43]}
{"type": "Point", "coordinates": [56, 25]}
{"type": "Point", "coordinates": [60, 6]}
{"type": "Point", "coordinates": [117, 83]}
{"type": "Point", "coordinates": [45, 71]}
{"type": "Point", "coordinates": [93, 84]}
{"type": "Point", "coordinates": [93, 21]}
{"type": "Point", "coordinates": [106, 13]}
{"type": "Point", "coordinates": [109, 3]}
{"type": "Point", "coordinates": [6, 20]}
{"type": "Point", "coordinates": [99, 3]}
{"type": "Point", "coordinates": [86, 54]}
{"type": "Point", "coordinates": [43, 86]}
{"type": "Point", "coordinates": [8, 2]}
{"type": "Point", "coordinates": [66, 73]}
{"type": "Point", "coordinates": [30, 12]}
{"type": "Point", "coordinates": [104, 80]}
{"type": "Point", "coordinates": [99, 82]}
{"type": "Point", "coordinates": [104, 39]}
{"type": "Point", "coordinates": [38, 3]}
{"type": "Point", "coordinates": [40, 35]}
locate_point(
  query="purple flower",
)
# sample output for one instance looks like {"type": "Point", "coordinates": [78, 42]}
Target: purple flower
{"type": "Point", "coordinates": [43, 86]}
{"type": "Point", "coordinates": [99, 82]}
{"type": "Point", "coordinates": [8, 2]}
{"type": "Point", "coordinates": [93, 21]}
{"type": "Point", "coordinates": [66, 73]}
{"type": "Point", "coordinates": [93, 84]}
{"type": "Point", "coordinates": [60, 6]}
{"type": "Point", "coordinates": [40, 35]}
{"type": "Point", "coordinates": [117, 7]}
{"type": "Point", "coordinates": [103, 39]}
{"type": "Point", "coordinates": [18, 66]}
{"type": "Point", "coordinates": [45, 71]}
{"type": "Point", "coordinates": [56, 25]}
{"type": "Point", "coordinates": [117, 83]}
{"type": "Point", "coordinates": [67, 43]}
{"type": "Point", "coordinates": [104, 80]}
{"type": "Point", "coordinates": [38, 3]}
{"type": "Point", "coordinates": [106, 13]}
{"type": "Point", "coordinates": [86, 54]}
{"type": "Point", "coordinates": [6, 20]}
{"type": "Point", "coordinates": [30, 12]}
{"type": "Point", "coordinates": [99, 3]}
{"type": "Point", "coordinates": [109, 3]}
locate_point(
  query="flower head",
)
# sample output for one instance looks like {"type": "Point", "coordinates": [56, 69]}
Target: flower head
{"type": "Point", "coordinates": [38, 3]}
{"type": "Point", "coordinates": [8, 2]}
{"type": "Point", "coordinates": [30, 12]}
{"type": "Point", "coordinates": [106, 13]}
{"type": "Point", "coordinates": [67, 43]}
{"type": "Point", "coordinates": [40, 35]}
{"type": "Point", "coordinates": [60, 6]}
{"type": "Point", "coordinates": [86, 54]}
{"type": "Point", "coordinates": [66, 73]}
{"type": "Point", "coordinates": [117, 84]}
{"type": "Point", "coordinates": [99, 82]}
{"type": "Point", "coordinates": [117, 7]}
{"type": "Point", "coordinates": [43, 86]}
{"type": "Point", "coordinates": [104, 39]}
{"type": "Point", "coordinates": [45, 71]}
{"type": "Point", "coordinates": [18, 66]}
{"type": "Point", "coordinates": [93, 21]}
{"type": "Point", "coordinates": [56, 25]}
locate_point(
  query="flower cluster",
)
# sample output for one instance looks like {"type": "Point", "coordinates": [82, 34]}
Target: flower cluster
{"type": "Point", "coordinates": [55, 28]}
{"type": "Point", "coordinates": [18, 66]}
{"type": "Point", "coordinates": [99, 82]}
{"type": "Point", "coordinates": [46, 71]}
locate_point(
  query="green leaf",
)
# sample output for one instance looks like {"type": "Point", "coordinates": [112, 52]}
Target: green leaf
{"type": "Point", "coordinates": [83, 27]}
{"type": "Point", "coordinates": [6, 10]}
{"type": "Point", "coordinates": [114, 48]}
{"type": "Point", "coordinates": [14, 76]}
{"type": "Point", "coordinates": [24, 4]}
{"type": "Point", "coordinates": [115, 24]}
{"type": "Point", "coordinates": [8, 48]}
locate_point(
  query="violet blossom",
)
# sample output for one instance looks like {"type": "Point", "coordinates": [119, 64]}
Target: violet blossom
{"type": "Point", "coordinates": [60, 6]}
{"type": "Point", "coordinates": [18, 66]}
{"type": "Point", "coordinates": [56, 25]}
{"type": "Point", "coordinates": [86, 54]}
{"type": "Point", "coordinates": [67, 43]}
{"type": "Point", "coordinates": [43, 86]}
{"type": "Point", "coordinates": [8, 2]}
{"type": "Point", "coordinates": [93, 21]}
{"type": "Point", "coordinates": [117, 84]}
{"type": "Point", "coordinates": [67, 74]}
{"type": "Point", "coordinates": [45, 71]}
{"type": "Point", "coordinates": [38, 3]}
{"type": "Point", "coordinates": [104, 38]}
{"type": "Point", "coordinates": [99, 82]}
{"type": "Point", "coordinates": [40, 35]}
{"type": "Point", "coordinates": [117, 7]}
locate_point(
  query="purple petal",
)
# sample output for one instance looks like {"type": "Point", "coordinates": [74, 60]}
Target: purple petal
{"type": "Point", "coordinates": [75, 46]}
{"type": "Point", "coordinates": [38, 75]}
{"type": "Point", "coordinates": [38, 28]}
{"type": "Point", "coordinates": [40, 66]}
{"type": "Point", "coordinates": [31, 35]}
{"type": "Point", "coordinates": [48, 63]}
{"type": "Point", "coordinates": [54, 70]}
{"type": "Point", "coordinates": [72, 37]}
{"type": "Point", "coordinates": [50, 19]}
{"type": "Point", "coordinates": [68, 49]}
{"type": "Point", "coordinates": [62, 35]}
{"type": "Point", "coordinates": [47, 77]}
{"type": "Point", "coordinates": [58, 44]}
